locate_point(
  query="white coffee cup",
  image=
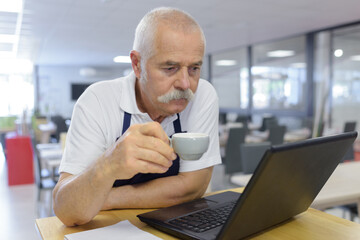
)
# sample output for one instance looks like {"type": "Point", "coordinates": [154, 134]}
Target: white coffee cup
{"type": "Point", "coordinates": [190, 146]}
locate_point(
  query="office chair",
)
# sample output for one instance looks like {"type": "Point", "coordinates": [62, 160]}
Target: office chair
{"type": "Point", "coordinates": [244, 119]}
{"type": "Point", "coordinates": [267, 122]}
{"type": "Point", "coordinates": [251, 154]}
{"type": "Point", "coordinates": [232, 158]}
{"type": "Point", "coordinates": [60, 126]}
{"type": "Point", "coordinates": [349, 155]}
{"type": "Point", "coordinates": [222, 118]}
{"type": "Point", "coordinates": [349, 126]}
{"type": "Point", "coordinates": [276, 135]}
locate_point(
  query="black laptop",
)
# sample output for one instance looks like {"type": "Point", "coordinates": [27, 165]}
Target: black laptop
{"type": "Point", "coordinates": [284, 184]}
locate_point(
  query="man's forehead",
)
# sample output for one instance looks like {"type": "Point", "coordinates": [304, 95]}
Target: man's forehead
{"type": "Point", "coordinates": [168, 40]}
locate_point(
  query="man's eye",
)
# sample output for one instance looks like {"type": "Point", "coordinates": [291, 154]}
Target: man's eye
{"type": "Point", "coordinates": [194, 69]}
{"type": "Point", "coordinates": [170, 69]}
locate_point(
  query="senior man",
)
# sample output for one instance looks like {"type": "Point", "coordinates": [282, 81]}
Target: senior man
{"type": "Point", "coordinates": [117, 151]}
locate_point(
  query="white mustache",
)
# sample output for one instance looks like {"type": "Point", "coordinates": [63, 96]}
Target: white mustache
{"type": "Point", "coordinates": [175, 95]}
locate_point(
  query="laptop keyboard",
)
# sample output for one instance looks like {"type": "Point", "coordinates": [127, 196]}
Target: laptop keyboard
{"type": "Point", "coordinates": [206, 219]}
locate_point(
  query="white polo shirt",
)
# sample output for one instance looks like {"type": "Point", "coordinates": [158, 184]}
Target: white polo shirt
{"type": "Point", "coordinates": [98, 115]}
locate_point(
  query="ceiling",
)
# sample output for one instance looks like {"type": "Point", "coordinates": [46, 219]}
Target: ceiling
{"type": "Point", "coordinates": [93, 32]}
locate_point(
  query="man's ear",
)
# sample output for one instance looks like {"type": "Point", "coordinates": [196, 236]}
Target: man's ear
{"type": "Point", "coordinates": [135, 63]}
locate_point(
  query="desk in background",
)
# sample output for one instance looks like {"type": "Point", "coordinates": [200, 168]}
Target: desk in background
{"type": "Point", "coordinates": [312, 224]}
{"type": "Point", "coordinates": [343, 187]}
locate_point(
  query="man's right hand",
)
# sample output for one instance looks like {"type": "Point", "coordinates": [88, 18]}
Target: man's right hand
{"type": "Point", "coordinates": [143, 148]}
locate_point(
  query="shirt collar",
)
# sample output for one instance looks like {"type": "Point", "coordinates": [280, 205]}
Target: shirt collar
{"type": "Point", "coordinates": [128, 98]}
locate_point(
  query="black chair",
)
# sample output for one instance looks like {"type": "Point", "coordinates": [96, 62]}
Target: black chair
{"type": "Point", "coordinates": [222, 118]}
{"type": "Point", "coordinates": [276, 135]}
{"type": "Point", "coordinates": [232, 159]}
{"type": "Point", "coordinates": [251, 154]}
{"type": "Point", "coordinates": [349, 155]}
{"type": "Point", "coordinates": [267, 122]}
{"type": "Point", "coordinates": [60, 126]}
{"type": "Point", "coordinates": [244, 119]}
{"type": "Point", "coordinates": [349, 126]}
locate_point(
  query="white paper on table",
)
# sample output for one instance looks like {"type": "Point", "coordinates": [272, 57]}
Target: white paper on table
{"type": "Point", "coordinates": [121, 230]}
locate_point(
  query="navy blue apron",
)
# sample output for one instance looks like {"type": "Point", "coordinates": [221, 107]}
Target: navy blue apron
{"type": "Point", "coordinates": [144, 177]}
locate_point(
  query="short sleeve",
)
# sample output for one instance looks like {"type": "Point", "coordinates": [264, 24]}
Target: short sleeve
{"type": "Point", "coordinates": [85, 141]}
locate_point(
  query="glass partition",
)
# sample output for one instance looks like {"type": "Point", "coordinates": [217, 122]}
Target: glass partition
{"type": "Point", "coordinates": [316, 76]}
{"type": "Point", "coordinates": [279, 75]}
{"type": "Point", "coordinates": [231, 79]}
{"type": "Point", "coordinates": [346, 75]}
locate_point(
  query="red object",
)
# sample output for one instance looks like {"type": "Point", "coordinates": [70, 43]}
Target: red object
{"type": "Point", "coordinates": [19, 156]}
{"type": "Point", "coordinates": [357, 156]}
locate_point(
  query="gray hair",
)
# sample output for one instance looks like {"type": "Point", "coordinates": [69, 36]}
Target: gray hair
{"type": "Point", "coordinates": [146, 29]}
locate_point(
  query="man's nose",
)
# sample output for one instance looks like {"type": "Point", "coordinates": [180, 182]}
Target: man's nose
{"type": "Point", "coordinates": [183, 81]}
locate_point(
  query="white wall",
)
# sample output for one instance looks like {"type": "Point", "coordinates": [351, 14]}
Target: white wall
{"type": "Point", "coordinates": [55, 86]}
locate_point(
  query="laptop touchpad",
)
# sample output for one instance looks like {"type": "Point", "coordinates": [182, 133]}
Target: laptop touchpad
{"type": "Point", "coordinates": [179, 210]}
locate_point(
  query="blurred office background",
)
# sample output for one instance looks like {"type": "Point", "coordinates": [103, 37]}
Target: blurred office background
{"type": "Point", "coordinates": [297, 62]}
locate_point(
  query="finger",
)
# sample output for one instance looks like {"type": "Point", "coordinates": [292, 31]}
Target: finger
{"type": "Point", "coordinates": [153, 157]}
{"type": "Point", "coordinates": [157, 145]}
{"type": "Point", "coordinates": [154, 129]}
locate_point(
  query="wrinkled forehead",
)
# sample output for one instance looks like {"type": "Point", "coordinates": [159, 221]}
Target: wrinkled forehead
{"type": "Point", "coordinates": [172, 41]}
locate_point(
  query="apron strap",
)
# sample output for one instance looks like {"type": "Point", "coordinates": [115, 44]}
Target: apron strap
{"type": "Point", "coordinates": [177, 125]}
{"type": "Point", "coordinates": [127, 120]}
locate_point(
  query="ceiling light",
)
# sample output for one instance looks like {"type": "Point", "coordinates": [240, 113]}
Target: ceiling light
{"type": "Point", "coordinates": [6, 55]}
{"type": "Point", "coordinates": [23, 66]}
{"type": "Point", "coordinates": [87, 72]}
{"type": "Point", "coordinates": [281, 53]}
{"type": "Point", "coordinates": [11, 6]}
{"type": "Point", "coordinates": [338, 52]}
{"type": "Point", "coordinates": [225, 63]}
{"type": "Point", "coordinates": [122, 59]}
{"type": "Point", "coordinates": [298, 65]}
{"type": "Point", "coordinates": [7, 38]}
{"type": "Point", "coordinates": [355, 58]}
{"type": "Point", "coordinates": [273, 76]}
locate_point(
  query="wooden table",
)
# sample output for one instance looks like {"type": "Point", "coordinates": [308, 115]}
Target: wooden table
{"type": "Point", "coordinates": [343, 186]}
{"type": "Point", "coordinates": [312, 224]}
{"type": "Point", "coordinates": [297, 135]}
